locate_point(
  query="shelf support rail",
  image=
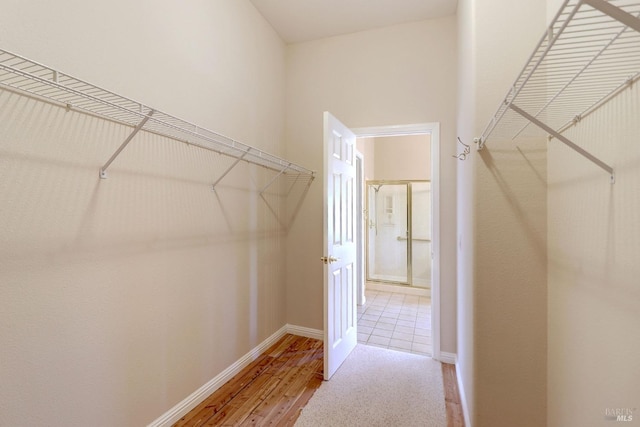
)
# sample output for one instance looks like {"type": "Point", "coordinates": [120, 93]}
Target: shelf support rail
{"type": "Point", "coordinates": [564, 140]}
{"type": "Point", "coordinates": [138, 128]}
{"type": "Point", "coordinates": [274, 179]}
{"type": "Point", "coordinates": [213, 186]}
{"type": "Point", "coordinates": [615, 12]}
{"type": "Point", "coordinates": [293, 184]}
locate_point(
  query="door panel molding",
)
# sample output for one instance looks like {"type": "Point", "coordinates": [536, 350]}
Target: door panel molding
{"type": "Point", "coordinates": [339, 257]}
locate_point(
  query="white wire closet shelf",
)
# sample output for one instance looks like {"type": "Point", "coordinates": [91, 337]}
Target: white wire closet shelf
{"type": "Point", "coordinates": [589, 54]}
{"type": "Point", "coordinates": [36, 79]}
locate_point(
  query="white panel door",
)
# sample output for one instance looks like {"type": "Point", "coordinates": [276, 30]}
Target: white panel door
{"type": "Point", "coordinates": [340, 315]}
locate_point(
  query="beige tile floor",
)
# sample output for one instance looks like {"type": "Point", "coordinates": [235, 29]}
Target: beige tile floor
{"type": "Point", "coordinates": [396, 321]}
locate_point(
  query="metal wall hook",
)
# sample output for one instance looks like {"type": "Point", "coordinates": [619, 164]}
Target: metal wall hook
{"type": "Point", "coordinates": [463, 155]}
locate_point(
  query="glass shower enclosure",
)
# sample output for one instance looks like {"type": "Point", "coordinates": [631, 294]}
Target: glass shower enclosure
{"type": "Point", "coordinates": [398, 222]}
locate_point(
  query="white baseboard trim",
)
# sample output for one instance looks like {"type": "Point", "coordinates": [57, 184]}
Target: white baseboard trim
{"type": "Point", "coordinates": [174, 414]}
{"type": "Point", "coordinates": [305, 332]}
{"type": "Point", "coordinates": [448, 357]}
{"type": "Point", "coordinates": [463, 399]}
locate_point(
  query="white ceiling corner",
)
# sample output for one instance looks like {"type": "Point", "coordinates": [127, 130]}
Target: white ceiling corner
{"type": "Point", "coordinates": [304, 20]}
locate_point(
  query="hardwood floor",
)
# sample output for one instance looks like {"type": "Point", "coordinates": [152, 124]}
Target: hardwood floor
{"type": "Point", "coordinates": [270, 391]}
{"type": "Point", "coordinates": [452, 396]}
{"type": "Point", "coordinates": [274, 388]}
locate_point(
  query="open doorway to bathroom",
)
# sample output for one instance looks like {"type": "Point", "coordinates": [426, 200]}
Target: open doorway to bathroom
{"type": "Point", "coordinates": [399, 238]}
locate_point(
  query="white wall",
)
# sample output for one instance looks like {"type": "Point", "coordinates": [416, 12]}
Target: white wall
{"type": "Point", "coordinates": [466, 190]}
{"type": "Point", "coordinates": [403, 157]}
{"type": "Point", "coordinates": [391, 76]}
{"type": "Point", "coordinates": [594, 291]}
{"type": "Point", "coordinates": [594, 242]}
{"type": "Point", "coordinates": [502, 235]}
{"type": "Point", "coordinates": [119, 298]}
{"type": "Point", "coordinates": [589, 250]}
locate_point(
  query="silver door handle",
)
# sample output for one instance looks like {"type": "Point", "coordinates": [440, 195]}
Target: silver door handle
{"type": "Point", "coordinates": [329, 260]}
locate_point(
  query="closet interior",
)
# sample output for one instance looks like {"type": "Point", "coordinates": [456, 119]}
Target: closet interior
{"type": "Point", "coordinates": [589, 54]}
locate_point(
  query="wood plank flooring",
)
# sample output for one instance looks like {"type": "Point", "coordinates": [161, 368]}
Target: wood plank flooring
{"type": "Point", "coordinates": [274, 388]}
{"type": "Point", "coordinates": [452, 401]}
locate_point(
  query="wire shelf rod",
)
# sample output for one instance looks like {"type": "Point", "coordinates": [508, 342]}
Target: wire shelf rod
{"type": "Point", "coordinates": [572, 50]}
{"type": "Point", "coordinates": [584, 57]}
{"type": "Point", "coordinates": [66, 89]}
{"type": "Point", "coordinates": [601, 69]}
{"type": "Point", "coordinates": [575, 54]}
{"type": "Point", "coordinates": [547, 41]}
{"type": "Point", "coordinates": [601, 102]}
{"type": "Point", "coordinates": [605, 81]}
{"type": "Point", "coordinates": [559, 92]}
{"type": "Point", "coordinates": [594, 45]}
{"type": "Point", "coordinates": [601, 75]}
{"type": "Point", "coordinates": [31, 77]}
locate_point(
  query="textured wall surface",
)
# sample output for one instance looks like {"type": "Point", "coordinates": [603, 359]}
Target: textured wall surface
{"type": "Point", "coordinates": [120, 297]}
{"type": "Point", "coordinates": [594, 291]}
{"type": "Point", "coordinates": [502, 226]}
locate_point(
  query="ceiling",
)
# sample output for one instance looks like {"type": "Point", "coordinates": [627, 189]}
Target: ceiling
{"type": "Point", "coordinates": [303, 20]}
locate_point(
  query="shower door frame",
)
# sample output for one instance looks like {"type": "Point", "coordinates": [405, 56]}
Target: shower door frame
{"type": "Point", "coordinates": [409, 231]}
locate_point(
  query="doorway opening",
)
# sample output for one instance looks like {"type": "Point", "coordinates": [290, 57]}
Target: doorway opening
{"type": "Point", "coordinates": [401, 261]}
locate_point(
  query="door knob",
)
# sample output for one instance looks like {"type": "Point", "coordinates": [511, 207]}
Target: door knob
{"type": "Point", "coordinates": [329, 259]}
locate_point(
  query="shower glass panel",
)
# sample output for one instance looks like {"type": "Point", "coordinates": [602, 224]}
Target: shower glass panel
{"type": "Point", "coordinates": [387, 250]}
{"type": "Point", "coordinates": [421, 234]}
{"type": "Point", "coordinates": [399, 232]}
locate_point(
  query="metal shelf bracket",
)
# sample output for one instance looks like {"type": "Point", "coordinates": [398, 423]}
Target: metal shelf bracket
{"type": "Point", "coordinates": [138, 128]}
{"type": "Point", "coordinates": [564, 140]}
{"type": "Point", "coordinates": [274, 179]}
{"type": "Point", "coordinates": [616, 13]}
{"type": "Point", "coordinates": [213, 186]}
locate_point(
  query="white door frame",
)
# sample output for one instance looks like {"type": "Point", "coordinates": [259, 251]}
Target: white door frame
{"type": "Point", "coordinates": [434, 130]}
{"type": "Point", "coordinates": [360, 226]}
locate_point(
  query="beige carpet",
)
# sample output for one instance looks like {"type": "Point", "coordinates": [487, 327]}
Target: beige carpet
{"type": "Point", "coordinates": [379, 387]}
